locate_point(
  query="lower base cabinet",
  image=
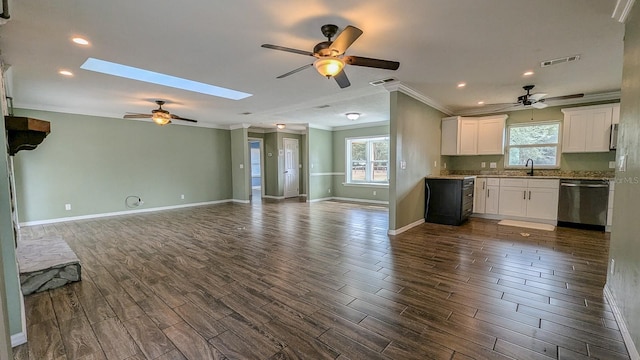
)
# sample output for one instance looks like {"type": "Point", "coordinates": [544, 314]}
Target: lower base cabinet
{"type": "Point", "coordinates": [532, 198]}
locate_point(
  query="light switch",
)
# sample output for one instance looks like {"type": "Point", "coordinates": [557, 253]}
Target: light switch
{"type": "Point", "coordinates": [493, 165]}
{"type": "Point", "coordinates": [403, 164]}
{"type": "Point", "coordinates": [612, 164]}
{"type": "Point", "coordinates": [483, 164]}
{"type": "Point", "coordinates": [241, 166]}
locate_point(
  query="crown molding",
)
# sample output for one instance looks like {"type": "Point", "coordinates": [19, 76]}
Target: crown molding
{"type": "Point", "coordinates": [398, 86]}
{"type": "Point", "coordinates": [361, 125]}
{"type": "Point", "coordinates": [239, 126]}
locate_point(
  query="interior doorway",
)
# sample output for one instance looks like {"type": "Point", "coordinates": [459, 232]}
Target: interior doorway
{"type": "Point", "coordinates": [257, 169]}
{"type": "Point", "coordinates": [291, 179]}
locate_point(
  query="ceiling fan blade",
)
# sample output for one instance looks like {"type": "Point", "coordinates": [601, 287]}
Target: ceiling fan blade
{"type": "Point", "coordinates": [176, 117]}
{"type": "Point", "coordinates": [136, 116]}
{"type": "Point", "coordinates": [539, 105]}
{"type": "Point", "coordinates": [373, 63]}
{"type": "Point", "coordinates": [345, 39]}
{"type": "Point", "coordinates": [342, 79]}
{"type": "Point", "coordinates": [537, 96]}
{"type": "Point", "coordinates": [282, 48]}
{"type": "Point", "coordinates": [565, 97]}
{"type": "Point", "coordinates": [294, 71]}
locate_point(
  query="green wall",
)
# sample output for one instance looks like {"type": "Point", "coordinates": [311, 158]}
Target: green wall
{"type": "Point", "coordinates": [320, 164]}
{"type": "Point", "coordinates": [240, 164]}
{"type": "Point", "coordinates": [9, 272]}
{"type": "Point", "coordinates": [625, 243]}
{"type": "Point", "coordinates": [568, 161]}
{"type": "Point", "coordinates": [94, 163]}
{"type": "Point", "coordinates": [415, 139]}
{"type": "Point", "coordinates": [339, 166]}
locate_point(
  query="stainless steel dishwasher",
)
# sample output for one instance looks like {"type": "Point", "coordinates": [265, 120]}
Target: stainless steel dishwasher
{"type": "Point", "coordinates": [583, 203]}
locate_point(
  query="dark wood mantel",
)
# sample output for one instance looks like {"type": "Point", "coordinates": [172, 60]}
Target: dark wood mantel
{"type": "Point", "coordinates": [25, 133]}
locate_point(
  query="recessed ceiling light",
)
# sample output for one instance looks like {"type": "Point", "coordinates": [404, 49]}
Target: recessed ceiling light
{"type": "Point", "coordinates": [528, 73]}
{"type": "Point", "coordinates": [281, 126]}
{"type": "Point", "coordinates": [130, 72]}
{"type": "Point", "coordinates": [480, 102]}
{"type": "Point", "coordinates": [65, 73]}
{"type": "Point", "coordinates": [80, 41]}
{"type": "Point", "coordinates": [461, 85]}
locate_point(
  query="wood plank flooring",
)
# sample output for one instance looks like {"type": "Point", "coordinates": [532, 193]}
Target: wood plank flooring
{"type": "Point", "coordinates": [293, 280]}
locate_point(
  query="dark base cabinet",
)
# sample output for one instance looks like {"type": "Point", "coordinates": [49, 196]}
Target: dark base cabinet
{"type": "Point", "coordinates": [448, 201]}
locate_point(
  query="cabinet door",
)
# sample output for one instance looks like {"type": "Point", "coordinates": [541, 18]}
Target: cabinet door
{"type": "Point", "coordinates": [449, 139]}
{"type": "Point", "coordinates": [542, 203]}
{"type": "Point", "coordinates": [598, 129]}
{"type": "Point", "coordinates": [512, 201]}
{"type": "Point", "coordinates": [574, 132]}
{"type": "Point", "coordinates": [615, 115]}
{"type": "Point", "coordinates": [492, 199]}
{"type": "Point", "coordinates": [479, 195]}
{"type": "Point", "coordinates": [468, 139]}
{"type": "Point", "coordinates": [491, 136]}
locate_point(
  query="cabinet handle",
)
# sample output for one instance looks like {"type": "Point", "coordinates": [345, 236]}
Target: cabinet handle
{"type": "Point", "coordinates": [488, 192]}
{"type": "Point", "coordinates": [529, 195]}
{"type": "Point", "coordinates": [483, 185]}
{"type": "Point", "coordinates": [525, 195]}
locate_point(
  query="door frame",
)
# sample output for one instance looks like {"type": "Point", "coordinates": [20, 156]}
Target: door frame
{"type": "Point", "coordinates": [296, 160]}
{"type": "Point", "coordinates": [261, 147]}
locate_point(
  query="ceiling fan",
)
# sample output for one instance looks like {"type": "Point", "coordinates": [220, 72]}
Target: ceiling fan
{"type": "Point", "coordinates": [537, 100]}
{"type": "Point", "coordinates": [160, 116]}
{"type": "Point", "coordinates": [330, 58]}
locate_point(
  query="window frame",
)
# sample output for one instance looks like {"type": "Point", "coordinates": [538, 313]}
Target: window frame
{"type": "Point", "coordinates": [370, 139]}
{"type": "Point", "coordinates": [558, 145]}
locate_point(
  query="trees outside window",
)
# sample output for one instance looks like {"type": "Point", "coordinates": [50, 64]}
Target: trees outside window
{"type": "Point", "coordinates": [368, 160]}
{"type": "Point", "coordinates": [537, 141]}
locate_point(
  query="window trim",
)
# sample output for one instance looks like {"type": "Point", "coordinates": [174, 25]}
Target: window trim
{"type": "Point", "coordinates": [348, 180]}
{"type": "Point", "coordinates": [536, 166]}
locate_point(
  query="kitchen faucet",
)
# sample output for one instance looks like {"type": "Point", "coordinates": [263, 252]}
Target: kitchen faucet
{"type": "Point", "coordinates": [530, 173]}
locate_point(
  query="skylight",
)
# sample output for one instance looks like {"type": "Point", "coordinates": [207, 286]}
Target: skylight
{"type": "Point", "coordinates": [133, 73]}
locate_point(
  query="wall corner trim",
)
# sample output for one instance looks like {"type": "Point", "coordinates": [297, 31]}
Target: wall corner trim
{"type": "Point", "coordinates": [406, 227]}
{"type": "Point", "coordinates": [18, 339]}
{"type": "Point", "coordinates": [398, 86]}
{"type": "Point", "coordinates": [626, 336]}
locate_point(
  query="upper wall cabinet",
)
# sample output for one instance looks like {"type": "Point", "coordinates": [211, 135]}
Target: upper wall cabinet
{"type": "Point", "coordinates": [473, 135]}
{"type": "Point", "coordinates": [588, 128]}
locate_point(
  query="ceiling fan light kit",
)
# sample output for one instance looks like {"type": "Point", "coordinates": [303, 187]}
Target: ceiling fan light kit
{"type": "Point", "coordinates": [161, 118]}
{"type": "Point", "coordinates": [281, 126]}
{"type": "Point", "coordinates": [329, 66]}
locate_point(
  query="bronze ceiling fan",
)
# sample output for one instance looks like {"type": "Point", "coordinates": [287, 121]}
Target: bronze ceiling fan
{"type": "Point", "coordinates": [160, 116]}
{"type": "Point", "coordinates": [536, 100]}
{"type": "Point", "coordinates": [330, 58]}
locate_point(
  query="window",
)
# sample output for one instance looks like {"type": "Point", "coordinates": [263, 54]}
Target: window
{"type": "Point", "coordinates": [368, 160]}
{"type": "Point", "coordinates": [536, 141]}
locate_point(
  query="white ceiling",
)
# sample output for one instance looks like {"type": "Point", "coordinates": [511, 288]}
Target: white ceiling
{"type": "Point", "coordinates": [488, 44]}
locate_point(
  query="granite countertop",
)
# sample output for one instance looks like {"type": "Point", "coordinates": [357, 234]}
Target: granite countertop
{"type": "Point", "coordinates": [545, 177]}
{"type": "Point", "coordinates": [540, 174]}
{"type": "Point", "coordinates": [451, 177]}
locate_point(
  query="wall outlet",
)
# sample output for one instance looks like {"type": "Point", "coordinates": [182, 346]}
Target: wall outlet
{"type": "Point", "coordinates": [483, 164]}
{"type": "Point", "coordinates": [613, 266]}
{"type": "Point", "coordinates": [182, 196]}
{"type": "Point", "coordinates": [375, 193]}
{"type": "Point", "coordinates": [612, 164]}
{"type": "Point", "coordinates": [444, 165]}
{"type": "Point", "coordinates": [329, 191]}
{"type": "Point", "coordinates": [493, 165]}
{"type": "Point", "coordinates": [435, 164]}
{"type": "Point", "coordinates": [67, 207]}
{"type": "Point", "coordinates": [403, 164]}
{"type": "Point", "coordinates": [241, 166]}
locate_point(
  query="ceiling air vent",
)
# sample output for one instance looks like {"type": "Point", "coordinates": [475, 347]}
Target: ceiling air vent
{"type": "Point", "coordinates": [383, 81]}
{"type": "Point", "coordinates": [322, 106]}
{"type": "Point", "coordinates": [559, 60]}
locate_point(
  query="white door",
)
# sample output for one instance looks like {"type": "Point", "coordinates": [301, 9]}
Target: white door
{"type": "Point", "coordinates": [291, 181]}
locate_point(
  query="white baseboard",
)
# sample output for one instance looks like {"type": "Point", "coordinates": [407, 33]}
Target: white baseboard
{"type": "Point", "coordinates": [18, 339]}
{"type": "Point", "coordinates": [626, 336]}
{"type": "Point", "coordinates": [126, 212]}
{"type": "Point", "coordinates": [236, 201]}
{"type": "Point", "coordinates": [379, 202]}
{"type": "Point", "coordinates": [273, 197]}
{"type": "Point", "coordinates": [406, 227]}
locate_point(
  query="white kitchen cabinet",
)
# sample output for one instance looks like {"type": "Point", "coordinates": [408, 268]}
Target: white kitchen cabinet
{"type": "Point", "coordinates": [531, 198]}
{"type": "Point", "coordinates": [479, 195]}
{"type": "Point", "coordinates": [473, 135]}
{"type": "Point", "coordinates": [612, 185]}
{"type": "Point", "coordinates": [491, 136]}
{"type": "Point", "coordinates": [587, 128]}
{"type": "Point", "coordinates": [493, 195]}
{"type": "Point", "coordinates": [615, 116]}
{"type": "Point", "coordinates": [468, 137]}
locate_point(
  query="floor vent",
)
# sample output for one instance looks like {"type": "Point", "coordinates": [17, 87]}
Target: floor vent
{"type": "Point", "coordinates": [383, 81]}
{"type": "Point", "coordinates": [559, 60]}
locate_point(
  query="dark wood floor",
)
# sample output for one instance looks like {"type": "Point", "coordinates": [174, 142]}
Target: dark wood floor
{"type": "Point", "coordinates": [321, 281]}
